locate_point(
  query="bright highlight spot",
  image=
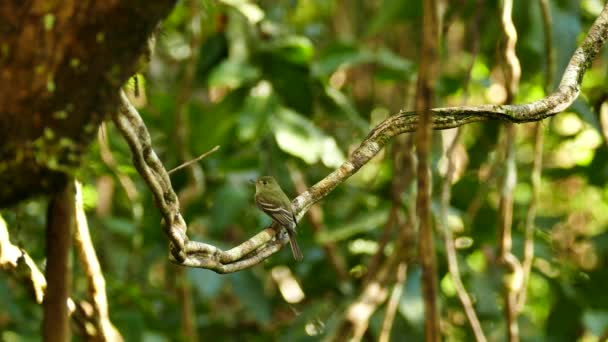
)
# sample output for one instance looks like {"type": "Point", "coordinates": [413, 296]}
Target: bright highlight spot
{"type": "Point", "coordinates": [288, 285]}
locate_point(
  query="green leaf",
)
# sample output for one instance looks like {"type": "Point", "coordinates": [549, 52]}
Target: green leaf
{"type": "Point", "coordinates": [249, 10]}
{"type": "Point", "coordinates": [393, 11]}
{"type": "Point", "coordinates": [359, 224]}
{"type": "Point", "coordinates": [295, 49]}
{"type": "Point", "coordinates": [212, 52]}
{"type": "Point", "coordinates": [255, 112]}
{"type": "Point", "coordinates": [130, 324]}
{"type": "Point", "coordinates": [290, 81]}
{"type": "Point", "coordinates": [340, 56]}
{"type": "Point", "coordinates": [121, 226]}
{"type": "Point", "coordinates": [299, 137]}
{"type": "Point", "coordinates": [232, 74]}
{"type": "Point", "coordinates": [393, 66]}
{"type": "Point", "coordinates": [217, 122]}
{"type": "Point", "coordinates": [346, 106]}
{"type": "Point", "coordinates": [566, 28]}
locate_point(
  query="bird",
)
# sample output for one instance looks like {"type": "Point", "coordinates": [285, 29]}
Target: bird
{"type": "Point", "coordinates": [270, 198]}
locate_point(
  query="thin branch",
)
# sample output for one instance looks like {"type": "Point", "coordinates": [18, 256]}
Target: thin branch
{"type": "Point", "coordinates": [538, 159]}
{"type": "Point", "coordinates": [105, 330]}
{"type": "Point", "coordinates": [425, 89]}
{"type": "Point", "coordinates": [505, 220]}
{"type": "Point", "coordinates": [391, 308]}
{"type": "Point", "coordinates": [60, 220]}
{"type": "Point", "coordinates": [195, 160]}
{"type": "Point", "coordinates": [448, 238]}
{"type": "Point", "coordinates": [357, 315]}
{"type": "Point", "coordinates": [264, 244]}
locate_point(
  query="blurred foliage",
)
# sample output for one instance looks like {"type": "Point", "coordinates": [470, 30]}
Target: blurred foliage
{"type": "Point", "coordinates": [301, 83]}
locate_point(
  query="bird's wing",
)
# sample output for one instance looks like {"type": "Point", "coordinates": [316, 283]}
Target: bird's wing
{"type": "Point", "coordinates": [282, 215]}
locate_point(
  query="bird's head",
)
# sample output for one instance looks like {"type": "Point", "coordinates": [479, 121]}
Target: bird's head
{"type": "Point", "coordinates": [266, 183]}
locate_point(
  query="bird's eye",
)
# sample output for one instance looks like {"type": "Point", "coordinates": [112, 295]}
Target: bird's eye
{"type": "Point", "coordinates": [264, 182]}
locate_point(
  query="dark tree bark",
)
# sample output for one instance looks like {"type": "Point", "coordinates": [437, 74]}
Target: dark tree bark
{"type": "Point", "coordinates": [60, 223]}
{"type": "Point", "coordinates": [425, 88]}
{"type": "Point", "coordinates": [61, 66]}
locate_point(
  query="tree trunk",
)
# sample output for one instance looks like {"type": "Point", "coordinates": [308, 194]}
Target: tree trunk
{"type": "Point", "coordinates": [61, 66]}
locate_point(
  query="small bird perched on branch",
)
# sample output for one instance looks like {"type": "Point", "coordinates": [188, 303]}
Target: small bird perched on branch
{"type": "Point", "coordinates": [271, 199]}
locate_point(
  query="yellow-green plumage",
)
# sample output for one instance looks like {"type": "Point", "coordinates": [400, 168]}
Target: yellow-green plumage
{"type": "Point", "coordinates": [271, 199]}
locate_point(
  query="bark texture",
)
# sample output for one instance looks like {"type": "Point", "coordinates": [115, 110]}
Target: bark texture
{"type": "Point", "coordinates": [61, 66]}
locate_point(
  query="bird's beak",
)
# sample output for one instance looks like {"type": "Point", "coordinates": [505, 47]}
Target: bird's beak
{"type": "Point", "coordinates": [252, 182]}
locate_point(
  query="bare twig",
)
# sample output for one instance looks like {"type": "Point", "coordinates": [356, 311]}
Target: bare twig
{"type": "Point", "coordinates": [60, 220]}
{"type": "Point", "coordinates": [391, 307]}
{"type": "Point", "coordinates": [425, 88]}
{"type": "Point", "coordinates": [357, 315]}
{"type": "Point", "coordinates": [537, 162]}
{"type": "Point", "coordinates": [95, 279]}
{"type": "Point", "coordinates": [464, 297]}
{"type": "Point", "coordinates": [513, 268]}
{"type": "Point", "coordinates": [264, 244]}
{"type": "Point", "coordinates": [195, 160]}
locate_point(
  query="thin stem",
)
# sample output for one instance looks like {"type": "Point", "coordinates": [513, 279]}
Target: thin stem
{"type": "Point", "coordinates": [95, 279]}
{"type": "Point", "coordinates": [448, 239]}
{"type": "Point", "coordinates": [537, 162]}
{"type": "Point", "coordinates": [195, 160]}
{"type": "Point", "coordinates": [512, 71]}
{"type": "Point", "coordinates": [391, 307]}
{"type": "Point", "coordinates": [425, 88]}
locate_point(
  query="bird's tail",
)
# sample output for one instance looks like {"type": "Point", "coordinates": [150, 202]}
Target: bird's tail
{"type": "Point", "coordinates": [295, 249]}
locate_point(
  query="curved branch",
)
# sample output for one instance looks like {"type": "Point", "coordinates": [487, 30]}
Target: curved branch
{"type": "Point", "coordinates": [451, 117]}
{"type": "Point", "coordinates": [83, 244]}
{"type": "Point", "coordinates": [266, 243]}
{"type": "Point", "coordinates": [512, 71]}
